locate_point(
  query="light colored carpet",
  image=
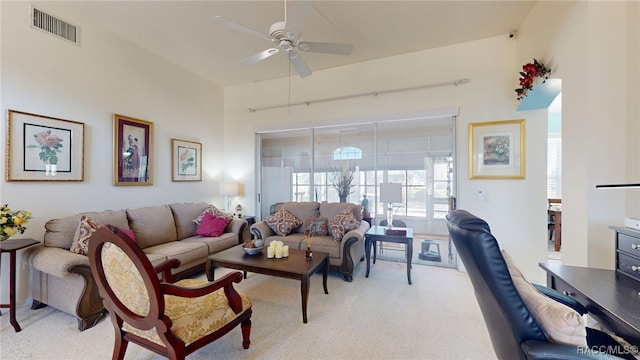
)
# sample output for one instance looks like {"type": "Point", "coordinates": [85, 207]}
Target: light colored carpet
{"type": "Point", "coordinates": [380, 317]}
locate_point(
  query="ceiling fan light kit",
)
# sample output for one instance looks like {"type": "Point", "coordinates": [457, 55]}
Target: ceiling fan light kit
{"type": "Point", "coordinates": [286, 35]}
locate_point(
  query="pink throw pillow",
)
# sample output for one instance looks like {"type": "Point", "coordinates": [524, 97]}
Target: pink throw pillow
{"type": "Point", "coordinates": [212, 225]}
{"type": "Point", "coordinates": [128, 232]}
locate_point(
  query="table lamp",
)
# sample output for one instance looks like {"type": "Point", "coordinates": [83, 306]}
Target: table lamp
{"type": "Point", "coordinates": [390, 193]}
{"type": "Point", "coordinates": [228, 189]}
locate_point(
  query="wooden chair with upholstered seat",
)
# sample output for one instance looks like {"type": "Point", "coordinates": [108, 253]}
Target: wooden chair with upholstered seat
{"type": "Point", "coordinates": [170, 319]}
{"type": "Point", "coordinates": [551, 221]}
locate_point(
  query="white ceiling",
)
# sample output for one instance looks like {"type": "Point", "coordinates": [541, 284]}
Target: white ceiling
{"type": "Point", "coordinates": [185, 33]}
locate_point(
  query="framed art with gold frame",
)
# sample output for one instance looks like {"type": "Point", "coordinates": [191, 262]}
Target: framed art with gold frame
{"type": "Point", "coordinates": [43, 148]}
{"type": "Point", "coordinates": [186, 160]}
{"type": "Point", "coordinates": [497, 150]}
{"type": "Point", "coordinates": [132, 151]}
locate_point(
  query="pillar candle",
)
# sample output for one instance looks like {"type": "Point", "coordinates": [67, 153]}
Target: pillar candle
{"type": "Point", "coordinates": [278, 252]}
{"type": "Point", "coordinates": [285, 251]}
{"type": "Point", "coordinates": [270, 252]}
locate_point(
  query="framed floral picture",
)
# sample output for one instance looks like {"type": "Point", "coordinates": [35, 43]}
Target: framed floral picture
{"type": "Point", "coordinates": [132, 151]}
{"type": "Point", "coordinates": [186, 161]}
{"type": "Point", "coordinates": [43, 148]}
{"type": "Point", "coordinates": [497, 150]}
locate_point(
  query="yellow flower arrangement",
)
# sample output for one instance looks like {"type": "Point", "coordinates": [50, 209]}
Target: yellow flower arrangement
{"type": "Point", "coordinates": [12, 222]}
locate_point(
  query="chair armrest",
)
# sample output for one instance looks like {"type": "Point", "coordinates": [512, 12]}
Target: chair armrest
{"type": "Point", "coordinates": [165, 269]}
{"type": "Point", "coordinates": [261, 230]}
{"type": "Point", "coordinates": [561, 298]}
{"type": "Point", "coordinates": [537, 349]}
{"type": "Point", "coordinates": [225, 282]}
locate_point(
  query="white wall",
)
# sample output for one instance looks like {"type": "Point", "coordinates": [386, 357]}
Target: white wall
{"type": "Point", "coordinates": [89, 83]}
{"type": "Point", "coordinates": [515, 209]}
{"type": "Point", "coordinates": [593, 47]}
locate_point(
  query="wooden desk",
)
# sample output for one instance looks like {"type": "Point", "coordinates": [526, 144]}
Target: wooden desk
{"type": "Point", "coordinates": [557, 230]}
{"type": "Point", "coordinates": [12, 246]}
{"type": "Point", "coordinates": [377, 233]}
{"type": "Point", "coordinates": [613, 300]}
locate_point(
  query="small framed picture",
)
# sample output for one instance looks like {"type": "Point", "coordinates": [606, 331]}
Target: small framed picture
{"type": "Point", "coordinates": [43, 148]}
{"type": "Point", "coordinates": [132, 151]}
{"type": "Point", "coordinates": [497, 150]}
{"type": "Point", "coordinates": [186, 160]}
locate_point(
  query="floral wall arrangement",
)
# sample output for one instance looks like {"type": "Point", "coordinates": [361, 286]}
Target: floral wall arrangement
{"type": "Point", "coordinates": [528, 75]}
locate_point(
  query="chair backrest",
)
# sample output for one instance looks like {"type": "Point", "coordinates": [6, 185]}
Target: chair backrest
{"type": "Point", "coordinates": [553, 201]}
{"type": "Point", "coordinates": [506, 316]}
{"type": "Point", "coordinates": [394, 223]}
{"type": "Point", "coordinates": [126, 279]}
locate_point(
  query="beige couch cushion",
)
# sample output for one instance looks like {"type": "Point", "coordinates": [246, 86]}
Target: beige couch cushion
{"type": "Point", "coordinates": [301, 210]}
{"type": "Point", "coordinates": [183, 215]}
{"type": "Point", "coordinates": [215, 244]}
{"type": "Point", "coordinates": [60, 232]}
{"type": "Point", "coordinates": [330, 210]}
{"type": "Point", "coordinates": [152, 225]}
{"type": "Point", "coordinates": [560, 323]}
{"type": "Point", "coordinates": [186, 252]}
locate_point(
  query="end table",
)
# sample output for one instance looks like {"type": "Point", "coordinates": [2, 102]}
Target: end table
{"type": "Point", "coordinates": [11, 246]}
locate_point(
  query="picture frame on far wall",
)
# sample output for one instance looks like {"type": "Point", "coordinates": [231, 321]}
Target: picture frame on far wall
{"type": "Point", "coordinates": [43, 148]}
{"type": "Point", "coordinates": [186, 160]}
{"type": "Point", "coordinates": [132, 151]}
{"type": "Point", "coordinates": [497, 150]}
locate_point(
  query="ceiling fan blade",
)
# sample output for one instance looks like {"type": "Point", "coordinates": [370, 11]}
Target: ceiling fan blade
{"type": "Point", "coordinates": [239, 27]}
{"type": "Point", "coordinates": [328, 48]}
{"type": "Point", "coordinates": [259, 56]}
{"type": "Point", "coordinates": [301, 67]}
{"type": "Point", "coordinates": [297, 18]}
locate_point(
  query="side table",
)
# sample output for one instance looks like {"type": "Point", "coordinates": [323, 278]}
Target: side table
{"type": "Point", "coordinates": [377, 233]}
{"type": "Point", "coordinates": [11, 246]}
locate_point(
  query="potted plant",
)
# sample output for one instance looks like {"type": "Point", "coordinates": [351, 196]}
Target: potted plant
{"type": "Point", "coordinates": [343, 183]}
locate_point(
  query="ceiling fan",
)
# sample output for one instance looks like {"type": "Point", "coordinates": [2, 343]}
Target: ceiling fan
{"type": "Point", "coordinates": [286, 37]}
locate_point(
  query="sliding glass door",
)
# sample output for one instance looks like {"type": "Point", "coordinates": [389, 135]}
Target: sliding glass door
{"type": "Point", "coordinates": [348, 162]}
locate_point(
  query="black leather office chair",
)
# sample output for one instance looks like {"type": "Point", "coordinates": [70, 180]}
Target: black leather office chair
{"type": "Point", "coordinates": [514, 332]}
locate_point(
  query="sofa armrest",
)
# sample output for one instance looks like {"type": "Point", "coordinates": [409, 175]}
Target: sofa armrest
{"type": "Point", "coordinates": [358, 233]}
{"type": "Point", "coordinates": [261, 230]}
{"type": "Point", "coordinates": [236, 226]}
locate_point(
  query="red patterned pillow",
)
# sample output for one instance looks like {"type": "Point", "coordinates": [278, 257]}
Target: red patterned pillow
{"type": "Point", "coordinates": [342, 223]}
{"type": "Point", "coordinates": [316, 226]}
{"type": "Point", "coordinates": [283, 222]}
{"type": "Point", "coordinates": [128, 232]}
{"type": "Point", "coordinates": [85, 229]}
{"type": "Point", "coordinates": [213, 211]}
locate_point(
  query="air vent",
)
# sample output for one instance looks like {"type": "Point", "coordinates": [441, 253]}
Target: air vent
{"type": "Point", "coordinates": [51, 24]}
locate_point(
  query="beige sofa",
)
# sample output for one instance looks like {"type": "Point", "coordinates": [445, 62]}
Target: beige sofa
{"type": "Point", "coordinates": [344, 255]}
{"type": "Point", "coordinates": [62, 279]}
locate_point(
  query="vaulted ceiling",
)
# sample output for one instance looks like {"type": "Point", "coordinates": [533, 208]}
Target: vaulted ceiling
{"type": "Point", "coordinates": [185, 33]}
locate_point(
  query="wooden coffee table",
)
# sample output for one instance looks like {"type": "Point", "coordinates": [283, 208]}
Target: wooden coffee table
{"type": "Point", "coordinates": [294, 267]}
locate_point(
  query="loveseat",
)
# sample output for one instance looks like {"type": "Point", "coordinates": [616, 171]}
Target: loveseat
{"type": "Point", "coordinates": [62, 278]}
{"type": "Point", "coordinates": [334, 231]}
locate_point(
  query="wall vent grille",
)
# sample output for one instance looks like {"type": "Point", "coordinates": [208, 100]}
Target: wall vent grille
{"type": "Point", "coordinates": [51, 24]}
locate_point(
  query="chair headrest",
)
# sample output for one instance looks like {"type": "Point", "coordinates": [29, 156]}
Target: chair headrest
{"type": "Point", "coordinates": [466, 220]}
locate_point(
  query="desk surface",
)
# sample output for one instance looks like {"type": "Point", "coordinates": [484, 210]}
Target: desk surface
{"type": "Point", "coordinates": [612, 299]}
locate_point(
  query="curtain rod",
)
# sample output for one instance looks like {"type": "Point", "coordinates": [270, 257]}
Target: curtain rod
{"type": "Point", "coordinates": [373, 93]}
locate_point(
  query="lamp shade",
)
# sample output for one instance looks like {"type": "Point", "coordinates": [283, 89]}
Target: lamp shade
{"type": "Point", "coordinates": [228, 188]}
{"type": "Point", "coordinates": [391, 193]}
